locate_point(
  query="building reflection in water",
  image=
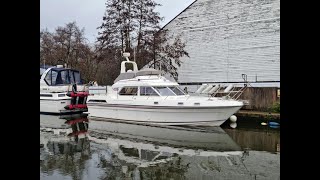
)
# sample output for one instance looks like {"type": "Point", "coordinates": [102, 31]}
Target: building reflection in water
{"type": "Point", "coordinates": [254, 136]}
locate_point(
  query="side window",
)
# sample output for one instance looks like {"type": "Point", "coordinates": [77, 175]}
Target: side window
{"type": "Point", "coordinates": [129, 91]}
{"type": "Point", "coordinates": [147, 91]}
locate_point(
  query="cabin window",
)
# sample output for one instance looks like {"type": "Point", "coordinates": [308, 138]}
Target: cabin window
{"type": "Point", "coordinates": [177, 90]}
{"type": "Point", "coordinates": [129, 91]}
{"type": "Point", "coordinates": [147, 91]}
{"type": "Point", "coordinates": [164, 91]}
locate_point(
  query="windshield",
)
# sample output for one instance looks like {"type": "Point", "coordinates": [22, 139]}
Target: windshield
{"type": "Point", "coordinates": [164, 91]}
{"type": "Point", "coordinates": [147, 91]}
{"type": "Point", "coordinates": [177, 90]}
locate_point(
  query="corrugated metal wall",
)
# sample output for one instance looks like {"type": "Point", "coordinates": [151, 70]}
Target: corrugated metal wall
{"type": "Point", "coordinates": [227, 38]}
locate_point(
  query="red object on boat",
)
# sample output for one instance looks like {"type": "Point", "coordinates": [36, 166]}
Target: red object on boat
{"type": "Point", "coordinates": [78, 94]}
{"type": "Point", "coordinates": [73, 106]}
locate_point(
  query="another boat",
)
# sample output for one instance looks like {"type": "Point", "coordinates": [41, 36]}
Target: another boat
{"type": "Point", "coordinates": [62, 91]}
{"type": "Point", "coordinates": [145, 96]}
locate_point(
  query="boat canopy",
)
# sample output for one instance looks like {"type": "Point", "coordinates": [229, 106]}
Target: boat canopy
{"type": "Point", "coordinates": [133, 74]}
{"type": "Point", "coordinates": [62, 76]}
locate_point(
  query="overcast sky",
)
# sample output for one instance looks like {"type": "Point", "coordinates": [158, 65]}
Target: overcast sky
{"type": "Point", "coordinates": [88, 13]}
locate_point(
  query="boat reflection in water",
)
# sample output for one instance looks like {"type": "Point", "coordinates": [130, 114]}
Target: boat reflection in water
{"type": "Point", "coordinates": [111, 150]}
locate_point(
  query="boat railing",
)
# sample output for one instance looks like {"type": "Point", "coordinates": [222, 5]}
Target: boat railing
{"type": "Point", "coordinates": [229, 91]}
{"type": "Point", "coordinates": [84, 87]}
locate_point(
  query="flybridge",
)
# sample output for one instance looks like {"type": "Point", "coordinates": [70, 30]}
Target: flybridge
{"type": "Point", "coordinates": [130, 74]}
{"type": "Point", "coordinates": [133, 74]}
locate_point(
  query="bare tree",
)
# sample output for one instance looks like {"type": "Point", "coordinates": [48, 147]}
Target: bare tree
{"type": "Point", "coordinates": [67, 45]}
{"type": "Point", "coordinates": [133, 25]}
{"type": "Point", "coordinates": [47, 47]}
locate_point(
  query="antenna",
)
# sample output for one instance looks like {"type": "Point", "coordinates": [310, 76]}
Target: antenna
{"type": "Point", "coordinates": [122, 42]}
{"type": "Point", "coordinates": [134, 54]}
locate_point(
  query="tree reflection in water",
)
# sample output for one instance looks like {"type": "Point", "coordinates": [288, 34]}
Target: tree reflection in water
{"type": "Point", "coordinates": [112, 155]}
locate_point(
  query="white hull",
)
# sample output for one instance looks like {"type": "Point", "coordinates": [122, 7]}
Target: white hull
{"type": "Point", "coordinates": [210, 116]}
{"type": "Point", "coordinates": [56, 106]}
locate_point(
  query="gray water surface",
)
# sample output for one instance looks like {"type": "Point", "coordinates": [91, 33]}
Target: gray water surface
{"type": "Point", "coordinates": [80, 148]}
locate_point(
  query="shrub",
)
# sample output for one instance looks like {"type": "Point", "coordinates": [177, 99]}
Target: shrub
{"type": "Point", "coordinates": [275, 107]}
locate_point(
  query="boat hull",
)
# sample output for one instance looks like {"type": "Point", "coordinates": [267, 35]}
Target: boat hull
{"type": "Point", "coordinates": [56, 106]}
{"type": "Point", "coordinates": [208, 116]}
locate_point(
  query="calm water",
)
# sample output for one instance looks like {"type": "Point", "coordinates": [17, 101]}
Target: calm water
{"type": "Point", "coordinates": [75, 147]}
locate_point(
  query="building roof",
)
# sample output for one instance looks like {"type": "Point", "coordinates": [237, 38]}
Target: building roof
{"type": "Point", "coordinates": [178, 15]}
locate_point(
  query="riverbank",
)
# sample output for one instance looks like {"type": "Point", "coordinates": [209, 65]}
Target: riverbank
{"type": "Point", "coordinates": [258, 114]}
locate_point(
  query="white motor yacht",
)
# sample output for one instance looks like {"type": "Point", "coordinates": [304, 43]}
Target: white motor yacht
{"type": "Point", "coordinates": [145, 96]}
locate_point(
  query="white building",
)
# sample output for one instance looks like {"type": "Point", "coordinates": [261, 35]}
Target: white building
{"type": "Point", "coordinates": [228, 38]}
